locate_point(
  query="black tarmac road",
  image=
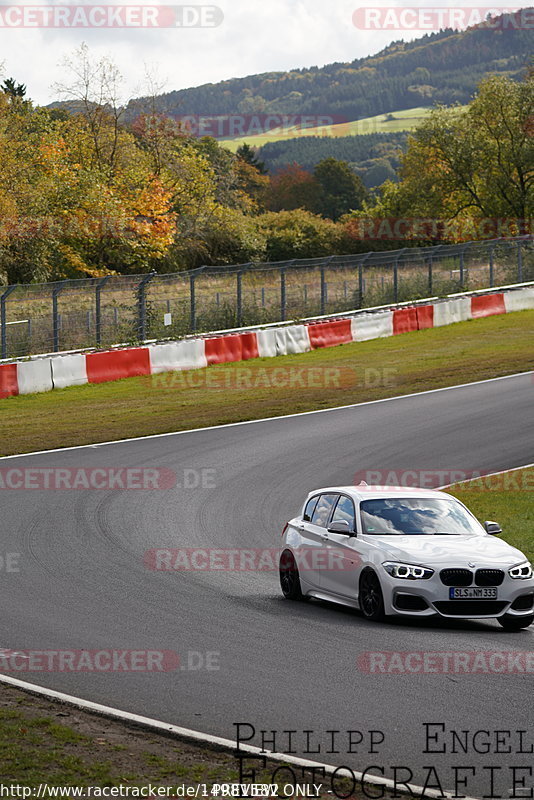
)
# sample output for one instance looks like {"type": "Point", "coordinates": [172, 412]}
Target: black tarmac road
{"type": "Point", "coordinates": [83, 583]}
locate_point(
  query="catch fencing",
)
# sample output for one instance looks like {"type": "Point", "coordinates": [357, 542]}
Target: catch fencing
{"type": "Point", "coordinates": [128, 309]}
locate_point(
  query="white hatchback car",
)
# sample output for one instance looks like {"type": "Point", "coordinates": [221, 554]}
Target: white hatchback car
{"type": "Point", "coordinates": [389, 550]}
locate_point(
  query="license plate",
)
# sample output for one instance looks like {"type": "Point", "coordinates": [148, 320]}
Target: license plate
{"type": "Point", "coordinates": [473, 593]}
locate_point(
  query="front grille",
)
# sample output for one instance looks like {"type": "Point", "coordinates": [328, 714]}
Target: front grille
{"type": "Point", "coordinates": [489, 577]}
{"type": "Point", "coordinates": [470, 608]}
{"type": "Point", "coordinates": [410, 602]}
{"type": "Point", "coordinates": [456, 577]}
{"type": "Point", "coordinates": [523, 603]}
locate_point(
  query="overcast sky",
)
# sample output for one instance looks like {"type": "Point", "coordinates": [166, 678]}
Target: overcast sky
{"type": "Point", "coordinates": [254, 36]}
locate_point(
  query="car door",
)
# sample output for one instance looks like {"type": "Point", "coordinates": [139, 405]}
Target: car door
{"type": "Point", "coordinates": [311, 556]}
{"type": "Point", "coordinates": [342, 572]}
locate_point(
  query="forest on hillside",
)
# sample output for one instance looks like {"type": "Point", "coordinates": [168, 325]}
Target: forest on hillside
{"type": "Point", "coordinates": [443, 67]}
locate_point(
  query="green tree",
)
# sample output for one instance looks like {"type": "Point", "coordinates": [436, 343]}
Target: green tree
{"type": "Point", "coordinates": [13, 89]}
{"type": "Point", "coordinates": [341, 190]}
{"type": "Point", "coordinates": [298, 234]}
{"type": "Point", "coordinates": [466, 164]}
{"type": "Point", "coordinates": [249, 154]}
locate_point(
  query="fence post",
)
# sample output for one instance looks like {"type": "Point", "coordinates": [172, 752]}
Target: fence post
{"type": "Point", "coordinates": [56, 291]}
{"type": "Point", "coordinates": [491, 266]}
{"type": "Point", "coordinates": [141, 306]}
{"type": "Point", "coordinates": [324, 298]}
{"type": "Point", "coordinates": [282, 294]}
{"type": "Point", "coordinates": [396, 275]}
{"type": "Point", "coordinates": [361, 289]}
{"type": "Point", "coordinates": [519, 262]}
{"type": "Point", "coordinates": [3, 335]}
{"type": "Point", "coordinates": [98, 310]}
{"type": "Point", "coordinates": [323, 290]}
{"type": "Point", "coordinates": [239, 298]}
{"type": "Point", "coordinates": [433, 251]}
{"type": "Point", "coordinates": [193, 305]}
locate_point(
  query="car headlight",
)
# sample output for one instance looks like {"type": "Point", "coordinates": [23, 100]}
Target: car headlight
{"type": "Point", "coordinates": [410, 572]}
{"type": "Point", "coordinates": [521, 572]}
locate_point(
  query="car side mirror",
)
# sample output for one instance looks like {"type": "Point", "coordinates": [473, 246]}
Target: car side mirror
{"type": "Point", "coordinates": [492, 528]}
{"type": "Point", "coordinates": [341, 526]}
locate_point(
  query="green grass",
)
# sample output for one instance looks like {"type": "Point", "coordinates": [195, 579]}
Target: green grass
{"type": "Point", "coordinates": [351, 373]}
{"type": "Point", "coordinates": [46, 742]}
{"type": "Point", "coordinates": [507, 499]}
{"type": "Point", "coordinates": [41, 741]}
{"type": "Point", "coordinates": [406, 120]}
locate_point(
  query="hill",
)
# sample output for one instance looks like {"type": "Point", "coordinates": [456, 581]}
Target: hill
{"type": "Point", "coordinates": [442, 67]}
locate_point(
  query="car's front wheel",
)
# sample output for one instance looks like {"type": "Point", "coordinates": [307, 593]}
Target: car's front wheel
{"type": "Point", "coordinates": [289, 577]}
{"type": "Point", "coordinates": [370, 597]}
{"type": "Point", "coordinates": [510, 623]}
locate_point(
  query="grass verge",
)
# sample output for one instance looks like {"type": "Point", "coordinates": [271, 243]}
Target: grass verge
{"type": "Point", "coordinates": [351, 373]}
{"type": "Point", "coordinates": [507, 499]}
{"type": "Point", "coordinates": [48, 742]}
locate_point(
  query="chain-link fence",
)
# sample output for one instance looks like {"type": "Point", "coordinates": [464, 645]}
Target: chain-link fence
{"type": "Point", "coordinates": [75, 314]}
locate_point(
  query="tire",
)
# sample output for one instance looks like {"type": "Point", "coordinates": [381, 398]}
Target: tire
{"type": "Point", "coordinates": [289, 577]}
{"type": "Point", "coordinates": [370, 597]}
{"type": "Point", "coordinates": [510, 623]}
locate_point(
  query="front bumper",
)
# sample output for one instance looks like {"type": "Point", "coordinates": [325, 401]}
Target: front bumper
{"type": "Point", "coordinates": [427, 598]}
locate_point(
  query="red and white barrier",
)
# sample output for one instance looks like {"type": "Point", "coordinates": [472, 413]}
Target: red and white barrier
{"type": "Point", "coordinates": [404, 320]}
{"type": "Point", "coordinates": [372, 326]}
{"type": "Point", "coordinates": [521, 300]}
{"type": "Point", "coordinates": [69, 371]}
{"type": "Point", "coordinates": [487, 305]}
{"type": "Point", "coordinates": [249, 343]}
{"type": "Point", "coordinates": [35, 376]}
{"type": "Point", "coordinates": [187, 354]}
{"type": "Point", "coordinates": [266, 343]}
{"type": "Point", "coordinates": [425, 317]}
{"type": "Point", "coordinates": [292, 340]}
{"type": "Point", "coordinates": [330, 334]}
{"type": "Point", "coordinates": [221, 349]}
{"type": "Point", "coordinates": [8, 380]}
{"type": "Point", "coordinates": [112, 365]}
{"type": "Point", "coordinates": [43, 374]}
{"type": "Point", "coordinates": [447, 312]}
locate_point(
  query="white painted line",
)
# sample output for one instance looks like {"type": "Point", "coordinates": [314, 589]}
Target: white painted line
{"type": "Point", "coordinates": [271, 419]}
{"type": "Point", "coordinates": [206, 738]}
{"type": "Point", "coordinates": [486, 475]}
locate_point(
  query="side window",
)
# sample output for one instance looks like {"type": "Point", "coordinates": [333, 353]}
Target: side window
{"type": "Point", "coordinates": [323, 508]}
{"type": "Point", "coordinates": [345, 511]}
{"type": "Point", "coordinates": [310, 508]}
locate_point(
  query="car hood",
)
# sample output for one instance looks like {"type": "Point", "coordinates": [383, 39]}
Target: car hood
{"type": "Point", "coordinates": [449, 550]}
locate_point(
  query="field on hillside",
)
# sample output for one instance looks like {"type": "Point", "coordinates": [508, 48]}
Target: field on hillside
{"type": "Point", "coordinates": [392, 122]}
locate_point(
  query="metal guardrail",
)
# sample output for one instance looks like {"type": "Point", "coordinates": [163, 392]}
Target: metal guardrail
{"type": "Point", "coordinates": [88, 313]}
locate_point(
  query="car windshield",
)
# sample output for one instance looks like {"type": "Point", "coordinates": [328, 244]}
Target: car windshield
{"type": "Point", "coordinates": [417, 516]}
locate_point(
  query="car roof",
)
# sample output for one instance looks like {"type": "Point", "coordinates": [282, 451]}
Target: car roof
{"type": "Point", "coordinates": [365, 492]}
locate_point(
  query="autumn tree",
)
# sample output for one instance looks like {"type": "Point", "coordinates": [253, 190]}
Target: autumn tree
{"type": "Point", "coordinates": [293, 187]}
{"type": "Point", "coordinates": [465, 164]}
